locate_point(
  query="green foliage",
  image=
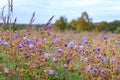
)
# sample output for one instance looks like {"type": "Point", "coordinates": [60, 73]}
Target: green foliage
{"type": "Point", "coordinates": [83, 23]}
{"type": "Point", "coordinates": [112, 26]}
{"type": "Point", "coordinates": [61, 23]}
{"type": "Point", "coordinates": [102, 26]}
{"type": "Point", "coordinates": [117, 30]}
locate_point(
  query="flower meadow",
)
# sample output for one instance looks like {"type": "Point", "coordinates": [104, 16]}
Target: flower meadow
{"type": "Point", "coordinates": [57, 55]}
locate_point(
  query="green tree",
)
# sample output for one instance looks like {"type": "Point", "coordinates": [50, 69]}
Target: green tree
{"type": "Point", "coordinates": [62, 23]}
{"type": "Point", "coordinates": [83, 23]}
{"type": "Point", "coordinates": [102, 26]}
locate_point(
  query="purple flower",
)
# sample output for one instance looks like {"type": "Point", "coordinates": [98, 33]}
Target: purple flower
{"type": "Point", "coordinates": [46, 55]}
{"type": "Point", "coordinates": [95, 70]}
{"type": "Point", "coordinates": [102, 72]}
{"type": "Point", "coordinates": [26, 56]}
{"type": "Point", "coordinates": [88, 69]}
{"type": "Point", "coordinates": [6, 44]}
{"type": "Point", "coordinates": [51, 71]}
{"type": "Point", "coordinates": [99, 56]}
{"type": "Point", "coordinates": [98, 49]}
{"type": "Point", "coordinates": [68, 61]}
{"type": "Point", "coordinates": [21, 46]}
{"type": "Point", "coordinates": [29, 41]}
{"type": "Point", "coordinates": [65, 66]}
{"type": "Point", "coordinates": [59, 51]}
{"type": "Point", "coordinates": [105, 60]}
{"type": "Point", "coordinates": [31, 46]}
{"type": "Point", "coordinates": [56, 40]}
{"type": "Point", "coordinates": [82, 52]}
{"type": "Point", "coordinates": [113, 60]}
{"type": "Point", "coordinates": [1, 41]}
{"type": "Point", "coordinates": [84, 41]}
{"type": "Point", "coordinates": [25, 38]}
{"type": "Point", "coordinates": [70, 44]}
{"type": "Point", "coordinates": [105, 38]}
{"type": "Point", "coordinates": [81, 47]}
{"type": "Point", "coordinates": [50, 27]}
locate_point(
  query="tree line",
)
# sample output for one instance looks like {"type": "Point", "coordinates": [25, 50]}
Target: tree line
{"type": "Point", "coordinates": [84, 23]}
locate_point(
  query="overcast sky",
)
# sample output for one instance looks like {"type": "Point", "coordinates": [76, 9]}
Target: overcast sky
{"type": "Point", "coordinates": [98, 10]}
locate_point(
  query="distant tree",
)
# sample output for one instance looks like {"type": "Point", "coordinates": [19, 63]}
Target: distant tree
{"type": "Point", "coordinates": [83, 23]}
{"type": "Point", "coordinates": [112, 26]}
{"type": "Point", "coordinates": [102, 26]}
{"type": "Point", "coordinates": [62, 23]}
{"type": "Point", "coordinates": [85, 17]}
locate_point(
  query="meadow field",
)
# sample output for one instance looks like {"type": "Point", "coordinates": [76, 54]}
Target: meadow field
{"type": "Point", "coordinates": [59, 55]}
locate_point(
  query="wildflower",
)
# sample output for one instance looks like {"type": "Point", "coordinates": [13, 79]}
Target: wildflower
{"type": "Point", "coordinates": [98, 49]}
{"type": "Point", "coordinates": [68, 61]}
{"type": "Point", "coordinates": [54, 59]}
{"type": "Point", "coordinates": [81, 47]}
{"type": "Point", "coordinates": [51, 71]}
{"type": "Point", "coordinates": [118, 68]}
{"type": "Point", "coordinates": [6, 44]}
{"type": "Point", "coordinates": [84, 41]}
{"type": "Point", "coordinates": [105, 38]}
{"type": "Point", "coordinates": [102, 72]}
{"type": "Point", "coordinates": [113, 60]}
{"type": "Point", "coordinates": [88, 69]}
{"type": "Point", "coordinates": [29, 41]}
{"type": "Point", "coordinates": [1, 42]}
{"type": "Point", "coordinates": [95, 70]}
{"type": "Point", "coordinates": [56, 40]}
{"type": "Point", "coordinates": [82, 52]}
{"type": "Point", "coordinates": [65, 66]}
{"type": "Point", "coordinates": [6, 70]}
{"type": "Point", "coordinates": [21, 46]}
{"type": "Point", "coordinates": [105, 60]}
{"type": "Point", "coordinates": [31, 46]}
{"type": "Point", "coordinates": [70, 44]}
{"type": "Point", "coordinates": [27, 56]}
{"type": "Point", "coordinates": [99, 56]}
{"type": "Point", "coordinates": [50, 27]}
{"type": "Point", "coordinates": [46, 55]}
{"type": "Point", "coordinates": [59, 51]}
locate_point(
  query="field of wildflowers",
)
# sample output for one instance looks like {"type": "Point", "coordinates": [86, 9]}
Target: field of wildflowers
{"type": "Point", "coordinates": [55, 55]}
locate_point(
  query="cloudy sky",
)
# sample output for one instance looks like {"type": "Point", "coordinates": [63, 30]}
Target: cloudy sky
{"type": "Point", "coordinates": [98, 10]}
